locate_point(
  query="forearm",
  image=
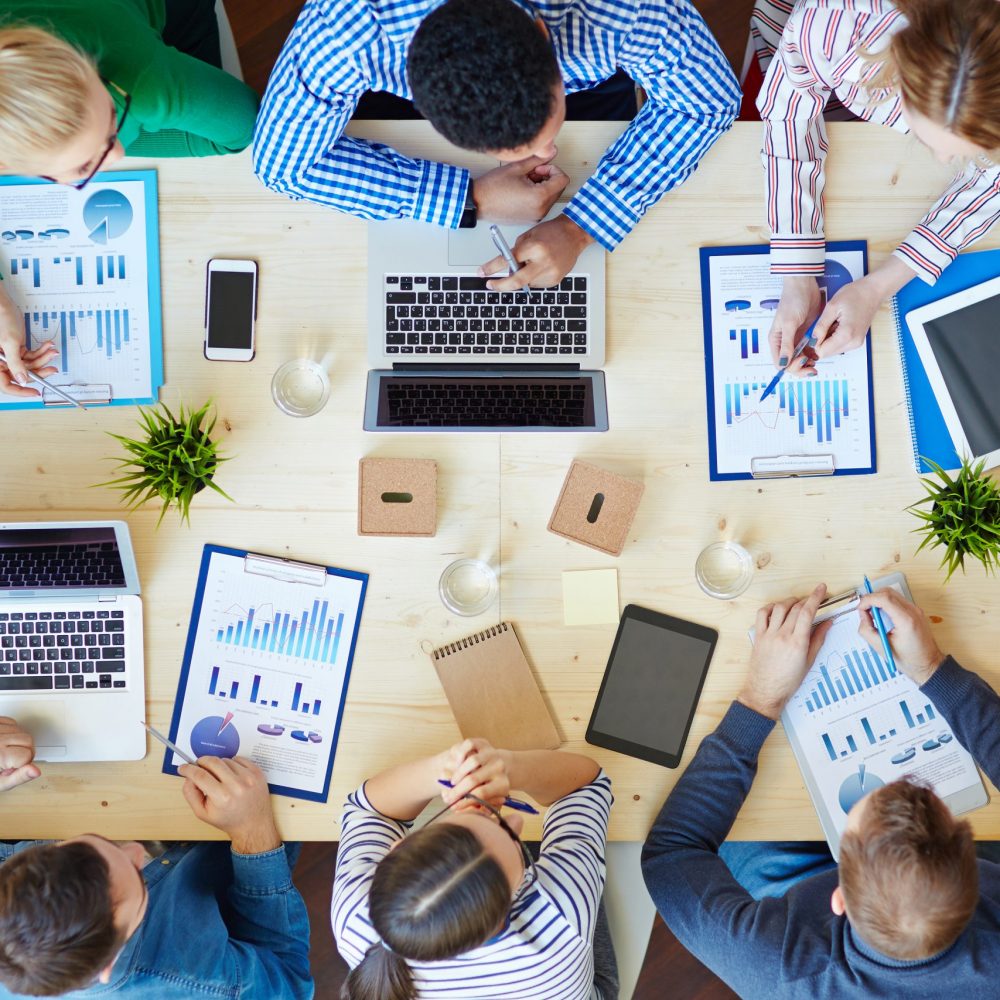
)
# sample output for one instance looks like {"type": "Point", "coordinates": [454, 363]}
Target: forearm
{"type": "Point", "coordinates": [972, 708]}
{"type": "Point", "coordinates": [548, 775]}
{"type": "Point", "coordinates": [402, 792]}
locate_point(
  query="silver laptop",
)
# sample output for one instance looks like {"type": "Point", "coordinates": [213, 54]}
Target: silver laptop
{"type": "Point", "coordinates": [449, 354]}
{"type": "Point", "coordinates": [71, 666]}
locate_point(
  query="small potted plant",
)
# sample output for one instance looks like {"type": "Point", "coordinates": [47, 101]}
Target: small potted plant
{"type": "Point", "coordinates": [175, 460]}
{"type": "Point", "coordinates": [962, 514]}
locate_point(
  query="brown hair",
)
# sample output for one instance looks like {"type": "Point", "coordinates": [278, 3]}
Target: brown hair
{"type": "Point", "coordinates": [437, 895]}
{"type": "Point", "coordinates": [44, 96]}
{"type": "Point", "coordinates": [945, 64]}
{"type": "Point", "coordinates": [57, 919]}
{"type": "Point", "coordinates": [909, 874]}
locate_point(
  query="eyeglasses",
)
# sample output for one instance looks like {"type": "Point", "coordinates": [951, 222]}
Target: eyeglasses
{"type": "Point", "coordinates": [530, 871]}
{"type": "Point", "coordinates": [120, 122]}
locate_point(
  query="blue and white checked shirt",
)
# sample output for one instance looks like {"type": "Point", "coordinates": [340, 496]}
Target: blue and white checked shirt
{"type": "Point", "coordinates": [338, 49]}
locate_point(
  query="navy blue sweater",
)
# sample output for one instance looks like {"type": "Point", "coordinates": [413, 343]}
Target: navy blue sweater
{"type": "Point", "coordinates": [796, 946]}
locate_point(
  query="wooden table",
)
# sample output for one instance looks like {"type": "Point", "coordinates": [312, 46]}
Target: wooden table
{"type": "Point", "coordinates": [295, 483]}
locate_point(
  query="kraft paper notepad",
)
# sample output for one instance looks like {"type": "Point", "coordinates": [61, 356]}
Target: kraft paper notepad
{"type": "Point", "coordinates": [492, 691]}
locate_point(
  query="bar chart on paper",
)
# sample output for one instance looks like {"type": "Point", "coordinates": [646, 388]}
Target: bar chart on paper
{"type": "Point", "coordinates": [313, 635]}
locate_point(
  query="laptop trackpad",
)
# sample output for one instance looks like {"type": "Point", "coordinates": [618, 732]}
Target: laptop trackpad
{"type": "Point", "coordinates": [45, 719]}
{"type": "Point", "coordinates": [471, 247]}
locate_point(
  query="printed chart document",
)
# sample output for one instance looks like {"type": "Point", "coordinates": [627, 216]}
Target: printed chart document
{"type": "Point", "coordinates": [813, 425]}
{"type": "Point", "coordinates": [266, 667]}
{"type": "Point", "coordinates": [83, 267]}
{"type": "Point", "coordinates": [855, 724]}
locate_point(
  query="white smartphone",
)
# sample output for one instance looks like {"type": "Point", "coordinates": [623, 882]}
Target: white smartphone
{"type": "Point", "coordinates": [230, 310]}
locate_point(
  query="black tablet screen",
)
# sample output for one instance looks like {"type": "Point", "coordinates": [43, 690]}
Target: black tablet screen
{"type": "Point", "coordinates": [966, 344]}
{"type": "Point", "coordinates": [651, 686]}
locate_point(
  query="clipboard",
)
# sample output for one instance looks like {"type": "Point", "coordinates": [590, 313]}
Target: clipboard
{"type": "Point", "coordinates": [99, 394]}
{"type": "Point", "coordinates": [267, 664]}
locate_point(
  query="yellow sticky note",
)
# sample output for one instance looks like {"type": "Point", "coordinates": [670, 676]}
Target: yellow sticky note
{"type": "Point", "coordinates": [590, 596]}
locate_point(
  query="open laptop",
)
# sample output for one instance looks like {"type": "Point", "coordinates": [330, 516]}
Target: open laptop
{"type": "Point", "coordinates": [450, 355]}
{"type": "Point", "coordinates": [71, 666]}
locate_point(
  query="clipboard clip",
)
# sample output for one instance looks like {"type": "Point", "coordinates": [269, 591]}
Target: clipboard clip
{"type": "Point", "coordinates": [88, 394]}
{"type": "Point", "coordinates": [791, 466]}
{"type": "Point", "coordinates": [286, 570]}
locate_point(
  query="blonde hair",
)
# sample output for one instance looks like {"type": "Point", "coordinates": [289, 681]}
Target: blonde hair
{"type": "Point", "coordinates": [945, 64]}
{"type": "Point", "coordinates": [44, 95]}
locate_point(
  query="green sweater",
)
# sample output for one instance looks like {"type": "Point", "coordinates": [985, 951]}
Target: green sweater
{"type": "Point", "coordinates": [181, 106]}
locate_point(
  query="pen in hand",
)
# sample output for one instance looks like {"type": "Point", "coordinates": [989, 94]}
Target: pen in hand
{"type": "Point", "coordinates": [508, 801]}
{"type": "Point", "coordinates": [807, 341]}
{"type": "Point", "coordinates": [505, 251]}
{"type": "Point", "coordinates": [167, 743]}
{"type": "Point", "coordinates": [880, 628]}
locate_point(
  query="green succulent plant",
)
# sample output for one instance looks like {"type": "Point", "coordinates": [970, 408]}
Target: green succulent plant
{"type": "Point", "coordinates": [175, 460]}
{"type": "Point", "coordinates": [961, 513]}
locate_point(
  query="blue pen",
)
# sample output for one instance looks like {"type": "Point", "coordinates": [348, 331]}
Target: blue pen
{"type": "Point", "coordinates": [807, 341]}
{"type": "Point", "coordinates": [509, 802]}
{"type": "Point", "coordinates": [880, 626]}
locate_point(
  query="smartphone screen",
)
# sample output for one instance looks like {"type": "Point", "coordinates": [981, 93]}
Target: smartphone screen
{"type": "Point", "coordinates": [230, 310]}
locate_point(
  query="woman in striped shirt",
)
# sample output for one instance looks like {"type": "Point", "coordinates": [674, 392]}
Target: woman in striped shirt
{"type": "Point", "coordinates": [926, 67]}
{"type": "Point", "coordinates": [458, 908]}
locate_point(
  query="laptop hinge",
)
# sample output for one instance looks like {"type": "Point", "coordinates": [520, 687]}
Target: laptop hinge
{"type": "Point", "coordinates": [491, 367]}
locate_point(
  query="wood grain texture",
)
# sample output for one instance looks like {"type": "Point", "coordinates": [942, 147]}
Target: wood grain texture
{"type": "Point", "coordinates": [296, 487]}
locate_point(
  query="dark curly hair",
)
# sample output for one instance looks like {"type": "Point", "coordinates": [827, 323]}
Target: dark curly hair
{"type": "Point", "coordinates": [482, 74]}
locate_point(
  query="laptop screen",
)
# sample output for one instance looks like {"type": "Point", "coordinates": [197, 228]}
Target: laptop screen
{"type": "Point", "coordinates": [464, 402]}
{"type": "Point", "coordinates": [60, 557]}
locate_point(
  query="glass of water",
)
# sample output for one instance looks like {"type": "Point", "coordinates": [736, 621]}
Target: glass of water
{"type": "Point", "coordinates": [724, 570]}
{"type": "Point", "coordinates": [301, 387]}
{"type": "Point", "coordinates": [468, 586]}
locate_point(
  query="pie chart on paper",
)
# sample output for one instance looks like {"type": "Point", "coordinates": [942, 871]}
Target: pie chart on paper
{"type": "Point", "coordinates": [215, 736]}
{"type": "Point", "coordinates": [857, 786]}
{"type": "Point", "coordinates": [107, 215]}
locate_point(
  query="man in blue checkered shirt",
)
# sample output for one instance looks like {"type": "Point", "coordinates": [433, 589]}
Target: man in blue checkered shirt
{"type": "Point", "coordinates": [492, 76]}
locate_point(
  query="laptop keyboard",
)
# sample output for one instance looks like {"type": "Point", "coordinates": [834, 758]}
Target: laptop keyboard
{"type": "Point", "coordinates": [457, 314]}
{"type": "Point", "coordinates": [94, 564]}
{"type": "Point", "coordinates": [62, 650]}
{"type": "Point", "coordinates": [507, 403]}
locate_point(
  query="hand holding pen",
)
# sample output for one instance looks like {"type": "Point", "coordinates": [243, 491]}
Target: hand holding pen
{"type": "Point", "coordinates": [478, 768]}
{"type": "Point", "coordinates": [33, 366]}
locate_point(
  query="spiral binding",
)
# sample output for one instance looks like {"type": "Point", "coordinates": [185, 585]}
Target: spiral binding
{"type": "Point", "coordinates": [473, 640]}
{"type": "Point", "coordinates": [906, 384]}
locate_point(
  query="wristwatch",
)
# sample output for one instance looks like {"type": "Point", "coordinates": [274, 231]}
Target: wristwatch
{"type": "Point", "coordinates": [469, 215]}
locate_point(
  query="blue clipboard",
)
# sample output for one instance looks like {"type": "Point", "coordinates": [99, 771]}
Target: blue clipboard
{"type": "Point", "coordinates": [154, 297]}
{"type": "Point", "coordinates": [206, 559]}
{"type": "Point", "coordinates": [706, 254]}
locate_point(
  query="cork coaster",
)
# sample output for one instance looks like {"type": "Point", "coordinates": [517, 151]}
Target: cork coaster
{"type": "Point", "coordinates": [596, 508]}
{"type": "Point", "coordinates": [397, 496]}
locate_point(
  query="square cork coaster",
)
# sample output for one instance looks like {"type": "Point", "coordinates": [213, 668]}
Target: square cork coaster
{"type": "Point", "coordinates": [596, 508]}
{"type": "Point", "coordinates": [397, 496]}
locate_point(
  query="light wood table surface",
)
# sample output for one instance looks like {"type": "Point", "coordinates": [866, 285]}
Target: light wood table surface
{"type": "Point", "coordinates": [295, 483]}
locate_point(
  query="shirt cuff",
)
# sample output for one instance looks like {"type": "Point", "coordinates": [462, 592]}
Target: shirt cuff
{"type": "Point", "coordinates": [798, 254]}
{"type": "Point", "coordinates": [948, 688]}
{"type": "Point", "coordinates": [440, 197]}
{"type": "Point", "coordinates": [744, 728]}
{"type": "Point", "coordinates": [601, 212]}
{"type": "Point", "coordinates": [926, 253]}
{"type": "Point", "coordinates": [262, 873]}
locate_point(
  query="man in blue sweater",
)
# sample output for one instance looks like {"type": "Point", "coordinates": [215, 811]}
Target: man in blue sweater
{"type": "Point", "coordinates": [909, 913]}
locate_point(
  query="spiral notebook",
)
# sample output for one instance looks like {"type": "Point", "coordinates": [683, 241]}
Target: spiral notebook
{"type": "Point", "coordinates": [492, 691]}
{"type": "Point", "coordinates": [928, 431]}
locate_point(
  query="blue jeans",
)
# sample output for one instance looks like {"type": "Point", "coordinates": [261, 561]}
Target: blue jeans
{"type": "Point", "coordinates": [771, 868]}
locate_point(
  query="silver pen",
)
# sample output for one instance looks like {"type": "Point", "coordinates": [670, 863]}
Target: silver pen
{"type": "Point", "coordinates": [505, 251]}
{"type": "Point", "coordinates": [54, 388]}
{"type": "Point", "coordinates": [170, 746]}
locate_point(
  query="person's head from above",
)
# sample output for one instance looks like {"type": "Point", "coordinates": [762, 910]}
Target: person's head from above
{"type": "Point", "coordinates": [484, 74]}
{"type": "Point", "coordinates": [57, 118]}
{"type": "Point", "coordinates": [66, 911]}
{"type": "Point", "coordinates": [443, 890]}
{"type": "Point", "coordinates": [945, 66]}
{"type": "Point", "coordinates": [909, 881]}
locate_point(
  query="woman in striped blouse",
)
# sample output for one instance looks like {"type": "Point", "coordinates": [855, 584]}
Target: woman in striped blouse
{"type": "Point", "coordinates": [930, 68]}
{"type": "Point", "coordinates": [459, 908]}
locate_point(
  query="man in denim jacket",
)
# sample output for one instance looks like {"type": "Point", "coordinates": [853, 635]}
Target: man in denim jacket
{"type": "Point", "coordinates": [89, 916]}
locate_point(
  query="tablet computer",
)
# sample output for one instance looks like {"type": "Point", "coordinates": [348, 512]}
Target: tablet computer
{"type": "Point", "coordinates": [651, 686]}
{"type": "Point", "coordinates": [958, 339]}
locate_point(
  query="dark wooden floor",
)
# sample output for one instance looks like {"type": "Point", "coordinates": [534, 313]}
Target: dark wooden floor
{"type": "Point", "coordinates": [260, 27]}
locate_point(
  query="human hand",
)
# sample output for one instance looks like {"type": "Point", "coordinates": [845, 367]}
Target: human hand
{"type": "Point", "coordinates": [232, 795]}
{"type": "Point", "coordinates": [784, 648]}
{"type": "Point", "coordinates": [17, 751]}
{"type": "Point", "coordinates": [844, 323]}
{"type": "Point", "coordinates": [546, 253]}
{"type": "Point", "coordinates": [522, 191]}
{"type": "Point", "coordinates": [913, 646]}
{"type": "Point", "coordinates": [799, 306]}
{"type": "Point", "coordinates": [478, 768]}
{"type": "Point", "coordinates": [16, 361]}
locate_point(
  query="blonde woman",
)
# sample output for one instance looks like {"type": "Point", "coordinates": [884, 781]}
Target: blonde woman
{"type": "Point", "coordinates": [930, 68]}
{"type": "Point", "coordinates": [82, 82]}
